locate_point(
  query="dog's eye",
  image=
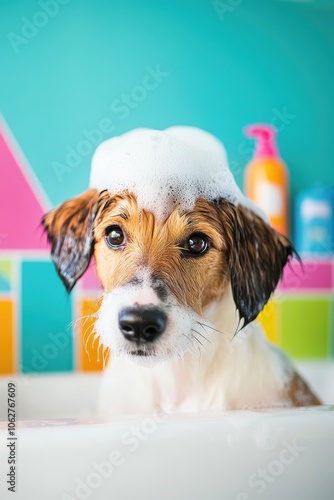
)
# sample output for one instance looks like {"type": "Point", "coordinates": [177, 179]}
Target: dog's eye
{"type": "Point", "coordinates": [114, 236]}
{"type": "Point", "coordinates": [197, 244]}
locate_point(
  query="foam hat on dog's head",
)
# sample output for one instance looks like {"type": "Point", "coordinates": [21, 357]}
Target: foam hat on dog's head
{"type": "Point", "coordinates": [166, 168]}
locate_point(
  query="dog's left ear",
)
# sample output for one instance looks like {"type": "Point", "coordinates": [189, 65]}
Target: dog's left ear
{"type": "Point", "coordinates": [257, 255]}
{"type": "Point", "coordinates": [70, 232]}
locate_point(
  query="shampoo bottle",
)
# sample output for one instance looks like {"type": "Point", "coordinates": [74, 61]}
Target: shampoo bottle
{"type": "Point", "coordinates": [314, 221]}
{"type": "Point", "coordinates": [266, 177]}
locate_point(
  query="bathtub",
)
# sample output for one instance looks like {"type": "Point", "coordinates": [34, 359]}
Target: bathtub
{"type": "Point", "coordinates": [63, 453]}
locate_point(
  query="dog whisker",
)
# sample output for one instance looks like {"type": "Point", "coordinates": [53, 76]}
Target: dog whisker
{"type": "Point", "coordinates": [105, 353]}
{"type": "Point", "coordinates": [196, 331]}
{"type": "Point", "coordinates": [211, 328]}
{"type": "Point", "coordinates": [81, 320]}
{"type": "Point", "coordinates": [198, 348]}
{"type": "Point", "coordinates": [95, 339]}
{"type": "Point", "coordinates": [76, 321]}
{"type": "Point", "coordinates": [194, 337]}
{"type": "Point", "coordinates": [204, 337]}
{"type": "Point", "coordinates": [92, 332]}
{"type": "Point", "coordinates": [89, 329]}
{"type": "Point", "coordinates": [93, 304]}
{"type": "Point", "coordinates": [195, 348]}
{"type": "Point", "coordinates": [100, 346]}
{"type": "Point", "coordinates": [190, 338]}
{"type": "Point", "coordinates": [87, 318]}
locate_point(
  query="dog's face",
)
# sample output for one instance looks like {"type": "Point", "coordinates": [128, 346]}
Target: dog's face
{"type": "Point", "coordinates": [159, 277]}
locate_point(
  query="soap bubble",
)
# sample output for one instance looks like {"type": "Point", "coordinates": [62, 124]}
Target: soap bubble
{"type": "Point", "coordinates": [165, 169]}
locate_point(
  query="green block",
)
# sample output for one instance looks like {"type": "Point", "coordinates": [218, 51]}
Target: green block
{"type": "Point", "coordinates": [332, 329]}
{"type": "Point", "coordinates": [6, 275]}
{"type": "Point", "coordinates": [306, 327]}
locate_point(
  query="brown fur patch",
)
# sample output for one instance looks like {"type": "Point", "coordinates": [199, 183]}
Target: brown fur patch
{"type": "Point", "coordinates": [298, 393]}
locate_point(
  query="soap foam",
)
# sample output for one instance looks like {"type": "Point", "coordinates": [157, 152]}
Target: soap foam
{"type": "Point", "coordinates": [167, 168]}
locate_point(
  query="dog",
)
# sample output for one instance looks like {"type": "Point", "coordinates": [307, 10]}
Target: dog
{"type": "Point", "coordinates": [186, 263]}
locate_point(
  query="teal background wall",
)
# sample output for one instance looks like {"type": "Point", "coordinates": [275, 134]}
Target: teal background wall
{"type": "Point", "coordinates": [46, 339]}
{"type": "Point", "coordinates": [224, 64]}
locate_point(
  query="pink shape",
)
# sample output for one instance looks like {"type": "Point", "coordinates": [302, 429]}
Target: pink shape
{"type": "Point", "coordinates": [21, 211]}
{"type": "Point", "coordinates": [264, 135]}
{"type": "Point", "coordinates": [89, 280]}
{"type": "Point", "coordinates": [313, 275]}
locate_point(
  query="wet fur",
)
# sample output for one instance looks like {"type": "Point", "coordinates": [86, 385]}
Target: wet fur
{"type": "Point", "coordinates": [247, 257]}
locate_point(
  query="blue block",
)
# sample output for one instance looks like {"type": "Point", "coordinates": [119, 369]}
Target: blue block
{"type": "Point", "coordinates": [46, 312]}
{"type": "Point", "coordinates": [4, 284]}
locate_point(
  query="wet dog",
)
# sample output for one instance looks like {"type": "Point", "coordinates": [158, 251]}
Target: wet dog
{"type": "Point", "coordinates": [182, 285]}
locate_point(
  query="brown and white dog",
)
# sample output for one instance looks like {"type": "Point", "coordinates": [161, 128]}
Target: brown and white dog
{"type": "Point", "coordinates": [181, 294]}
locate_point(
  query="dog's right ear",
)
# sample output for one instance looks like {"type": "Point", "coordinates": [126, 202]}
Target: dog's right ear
{"type": "Point", "coordinates": [257, 255]}
{"type": "Point", "coordinates": [70, 231]}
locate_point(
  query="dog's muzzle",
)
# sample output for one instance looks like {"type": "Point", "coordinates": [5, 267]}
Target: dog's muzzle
{"type": "Point", "coordinates": [142, 325]}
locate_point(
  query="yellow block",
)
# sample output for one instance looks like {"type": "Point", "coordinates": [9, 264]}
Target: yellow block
{"type": "Point", "coordinates": [269, 319]}
{"type": "Point", "coordinates": [92, 355]}
{"type": "Point", "coordinates": [6, 337]}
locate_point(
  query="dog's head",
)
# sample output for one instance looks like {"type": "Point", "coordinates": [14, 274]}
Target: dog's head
{"type": "Point", "coordinates": [171, 235]}
{"type": "Point", "coordinates": [159, 276]}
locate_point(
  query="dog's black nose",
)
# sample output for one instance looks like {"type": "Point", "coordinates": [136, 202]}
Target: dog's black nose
{"type": "Point", "coordinates": [142, 324]}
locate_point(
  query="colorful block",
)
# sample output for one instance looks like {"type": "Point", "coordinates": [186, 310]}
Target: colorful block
{"type": "Point", "coordinates": [7, 339]}
{"type": "Point", "coordinates": [16, 187]}
{"type": "Point", "coordinates": [306, 326]}
{"type": "Point", "coordinates": [92, 356]}
{"type": "Point", "coordinates": [89, 280]}
{"type": "Point", "coordinates": [46, 340]}
{"type": "Point", "coordinates": [332, 328]}
{"type": "Point", "coordinates": [6, 275]}
{"type": "Point", "coordinates": [269, 318]}
{"type": "Point", "coordinates": [314, 274]}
